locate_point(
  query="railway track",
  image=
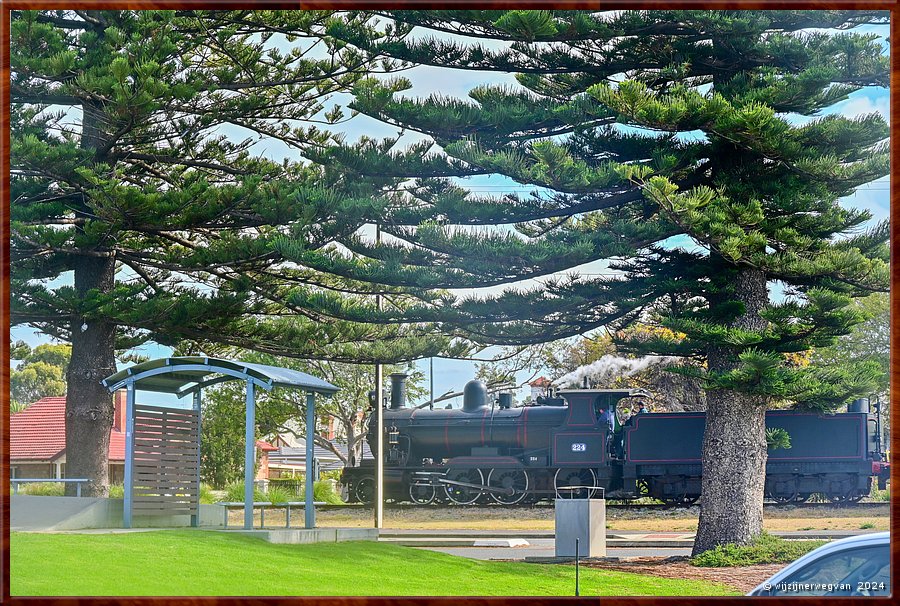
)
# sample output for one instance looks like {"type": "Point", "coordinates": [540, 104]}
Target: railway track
{"type": "Point", "coordinates": [619, 506]}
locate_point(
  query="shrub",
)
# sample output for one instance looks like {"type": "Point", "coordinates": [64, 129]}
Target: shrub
{"type": "Point", "coordinates": [324, 491]}
{"type": "Point", "coordinates": [293, 486]}
{"type": "Point", "coordinates": [765, 549]}
{"type": "Point", "coordinates": [206, 494]}
{"type": "Point", "coordinates": [235, 492]}
{"type": "Point", "coordinates": [881, 495]}
{"type": "Point", "coordinates": [332, 474]}
{"type": "Point", "coordinates": [866, 525]}
{"type": "Point", "coordinates": [43, 489]}
{"type": "Point", "coordinates": [277, 494]}
{"type": "Point", "coordinates": [116, 491]}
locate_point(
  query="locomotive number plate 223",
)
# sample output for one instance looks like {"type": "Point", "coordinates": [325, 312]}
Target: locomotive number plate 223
{"type": "Point", "coordinates": [579, 447]}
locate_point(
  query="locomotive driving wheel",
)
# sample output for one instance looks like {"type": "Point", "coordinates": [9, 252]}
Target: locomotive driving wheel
{"type": "Point", "coordinates": [422, 494]}
{"type": "Point", "coordinates": [460, 494]}
{"type": "Point", "coordinates": [575, 483]}
{"type": "Point", "coordinates": [364, 491]}
{"type": "Point", "coordinates": [513, 480]}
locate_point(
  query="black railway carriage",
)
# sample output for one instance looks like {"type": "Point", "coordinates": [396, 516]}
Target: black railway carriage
{"type": "Point", "coordinates": [573, 444]}
{"type": "Point", "coordinates": [835, 455]}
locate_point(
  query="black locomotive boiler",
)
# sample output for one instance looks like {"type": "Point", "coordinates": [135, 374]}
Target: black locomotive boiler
{"type": "Point", "coordinates": [574, 444]}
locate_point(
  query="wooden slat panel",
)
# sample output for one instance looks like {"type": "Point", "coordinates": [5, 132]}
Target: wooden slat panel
{"type": "Point", "coordinates": [166, 461]}
{"type": "Point", "coordinates": [158, 424]}
{"type": "Point", "coordinates": [185, 475]}
{"type": "Point", "coordinates": [165, 452]}
{"type": "Point", "coordinates": [167, 511]}
{"type": "Point", "coordinates": [164, 409]}
{"type": "Point", "coordinates": [160, 485]}
{"type": "Point", "coordinates": [183, 485]}
{"type": "Point", "coordinates": [149, 472]}
{"type": "Point", "coordinates": [145, 448]}
{"type": "Point", "coordinates": [168, 480]}
{"type": "Point", "coordinates": [150, 448]}
{"type": "Point", "coordinates": [166, 434]}
{"type": "Point", "coordinates": [163, 499]}
{"type": "Point", "coordinates": [158, 438]}
{"type": "Point", "coordinates": [179, 423]}
{"type": "Point", "coordinates": [156, 443]}
{"type": "Point", "coordinates": [173, 475]}
{"type": "Point", "coordinates": [165, 413]}
{"type": "Point", "coordinates": [153, 458]}
{"type": "Point", "coordinates": [157, 467]}
{"type": "Point", "coordinates": [172, 451]}
{"type": "Point", "coordinates": [162, 466]}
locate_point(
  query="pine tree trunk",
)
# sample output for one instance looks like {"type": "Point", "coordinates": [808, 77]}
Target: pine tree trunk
{"type": "Point", "coordinates": [734, 470]}
{"type": "Point", "coordinates": [734, 443]}
{"type": "Point", "coordinates": [89, 405]}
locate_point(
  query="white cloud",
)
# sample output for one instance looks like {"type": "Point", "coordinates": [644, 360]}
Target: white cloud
{"type": "Point", "coordinates": [862, 105]}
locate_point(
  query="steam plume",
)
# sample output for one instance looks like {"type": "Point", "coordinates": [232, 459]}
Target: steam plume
{"type": "Point", "coordinates": [609, 366]}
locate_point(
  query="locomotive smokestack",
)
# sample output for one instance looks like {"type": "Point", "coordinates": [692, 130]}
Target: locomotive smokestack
{"type": "Point", "coordinates": [859, 405]}
{"type": "Point", "coordinates": [398, 390]}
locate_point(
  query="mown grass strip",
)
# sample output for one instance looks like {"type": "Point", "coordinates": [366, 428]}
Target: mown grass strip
{"type": "Point", "coordinates": [189, 563]}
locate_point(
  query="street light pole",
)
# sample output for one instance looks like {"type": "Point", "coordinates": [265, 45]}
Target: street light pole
{"type": "Point", "coordinates": [379, 415]}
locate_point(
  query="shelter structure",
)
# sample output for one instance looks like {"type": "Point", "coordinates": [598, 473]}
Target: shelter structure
{"type": "Point", "coordinates": [162, 444]}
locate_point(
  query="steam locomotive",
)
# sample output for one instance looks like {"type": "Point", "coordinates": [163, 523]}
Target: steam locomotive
{"type": "Point", "coordinates": [576, 444]}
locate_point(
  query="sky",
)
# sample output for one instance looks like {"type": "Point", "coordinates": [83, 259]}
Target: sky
{"type": "Point", "coordinates": [451, 375]}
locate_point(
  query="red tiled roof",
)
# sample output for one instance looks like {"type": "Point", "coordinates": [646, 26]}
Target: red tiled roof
{"type": "Point", "coordinates": [540, 382]}
{"type": "Point", "coordinates": [38, 433]}
{"type": "Point", "coordinates": [265, 446]}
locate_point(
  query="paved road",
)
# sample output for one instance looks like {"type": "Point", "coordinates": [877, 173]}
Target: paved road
{"type": "Point", "coordinates": [545, 548]}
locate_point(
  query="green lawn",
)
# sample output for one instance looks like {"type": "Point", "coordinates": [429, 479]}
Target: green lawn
{"type": "Point", "coordinates": [185, 562]}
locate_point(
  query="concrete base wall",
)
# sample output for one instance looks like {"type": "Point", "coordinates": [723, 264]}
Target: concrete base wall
{"type": "Point", "coordinates": [296, 536]}
{"type": "Point", "coordinates": [76, 513]}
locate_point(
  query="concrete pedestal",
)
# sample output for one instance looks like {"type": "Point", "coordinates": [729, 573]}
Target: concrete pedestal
{"type": "Point", "coordinates": [584, 519]}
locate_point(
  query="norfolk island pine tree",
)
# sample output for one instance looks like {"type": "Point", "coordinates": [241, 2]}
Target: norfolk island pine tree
{"type": "Point", "coordinates": [134, 217]}
{"type": "Point", "coordinates": [601, 124]}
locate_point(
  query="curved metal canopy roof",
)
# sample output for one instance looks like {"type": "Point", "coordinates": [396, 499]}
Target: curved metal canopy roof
{"type": "Point", "coordinates": [184, 375]}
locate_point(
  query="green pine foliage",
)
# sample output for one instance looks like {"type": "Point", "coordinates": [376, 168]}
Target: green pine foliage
{"type": "Point", "coordinates": [665, 142]}
{"type": "Point", "coordinates": [137, 170]}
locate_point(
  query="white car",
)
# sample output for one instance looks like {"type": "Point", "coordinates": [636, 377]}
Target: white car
{"type": "Point", "coordinates": [858, 566]}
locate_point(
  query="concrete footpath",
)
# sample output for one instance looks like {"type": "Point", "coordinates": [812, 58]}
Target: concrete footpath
{"type": "Point", "coordinates": [614, 538]}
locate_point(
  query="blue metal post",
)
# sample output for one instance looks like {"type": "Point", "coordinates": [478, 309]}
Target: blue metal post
{"type": "Point", "coordinates": [195, 519]}
{"type": "Point", "coordinates": [249, 458]}
{"type": "Point", "coordinates": [310, 509]}
{"type": "Point", "coordinates": [129, 455]}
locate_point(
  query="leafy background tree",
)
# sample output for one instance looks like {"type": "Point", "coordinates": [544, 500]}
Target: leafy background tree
{"type": "Point", "coordinates": [869, 340]}
{"type": "Point", "coordinates": [283, 412]}
{"type": "Point", "coordinates": [41, 372]}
